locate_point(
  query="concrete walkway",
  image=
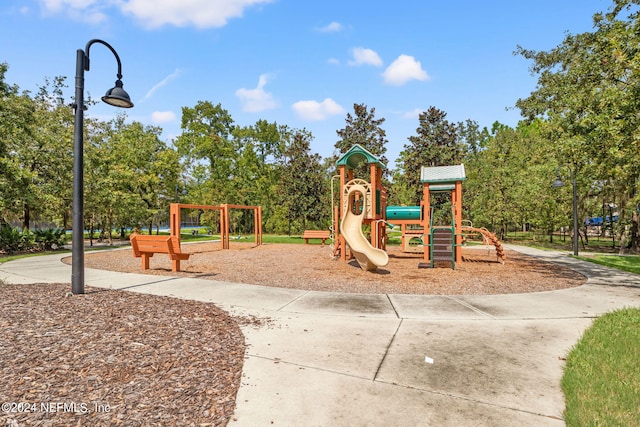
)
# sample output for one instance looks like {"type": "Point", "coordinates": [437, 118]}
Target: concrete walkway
{"type": "Point", "coordinates": [332, 359]}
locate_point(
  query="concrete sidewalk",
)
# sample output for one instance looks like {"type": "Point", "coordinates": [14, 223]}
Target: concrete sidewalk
{"type": "Point", "coordinates": [332, 359]}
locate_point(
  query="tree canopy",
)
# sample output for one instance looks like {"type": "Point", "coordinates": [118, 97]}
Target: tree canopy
{"type": "Point", "coordinates": [581, 122]}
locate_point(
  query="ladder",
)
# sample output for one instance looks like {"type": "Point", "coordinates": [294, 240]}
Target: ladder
{"type": "Point", "coordinates": [442, 244]}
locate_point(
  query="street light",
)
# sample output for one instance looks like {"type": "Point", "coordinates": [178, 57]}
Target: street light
{"type": "Point", "coordinates": [559, 183]}
{"type": "Point", "coordinates": [116, 97]}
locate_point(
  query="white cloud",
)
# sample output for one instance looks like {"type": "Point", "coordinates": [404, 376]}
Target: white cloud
{"type": "Point", "coordinates": [198, 13]}
{"type": "Point", "coordinates": [60, 5]}
{"type": "Point", "coordinates": [413, 114]}
{"type": "Point", "coordinates": [162, 83]}
{"type": "Point", "coordinates": [314, 110]}
{"type": "Point", "coordinates": [256, 100]}
{"type": "Point", "coordinates": [362, 56]}
{"type": "Point", "coordinates": [90, 11]}
{"type": "Point", "coordinates": [158, 117]}
{"type": "Point", "coordinates": [333, 61]}
{"type": "Point", "coordinates": [404, 69]}
{"type": "Point", "coordinates": [333, 27]}
{"type": "Point", "coordinates": [155, 13]}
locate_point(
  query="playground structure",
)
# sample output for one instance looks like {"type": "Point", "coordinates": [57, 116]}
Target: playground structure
{"type": "Point", "coordinates": [224, 209]}
{"type": "Point", "coordinates": [146, 246]}
{"type": "Point", "coordinates": [363, 203]}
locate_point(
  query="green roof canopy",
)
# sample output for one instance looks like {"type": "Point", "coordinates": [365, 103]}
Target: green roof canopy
{"type": "Point", "coordinates": [356, 155]}
{"type": "Point", "coordinates": [442, 174]}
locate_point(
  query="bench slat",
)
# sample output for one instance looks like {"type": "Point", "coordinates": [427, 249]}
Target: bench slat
{"type": "Point", "coordinates": [316, 234]}
{"type": "Point", "coordinates": [145, 246]}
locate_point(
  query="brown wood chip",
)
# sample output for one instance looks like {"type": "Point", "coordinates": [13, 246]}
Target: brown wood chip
{"type": "Point", "coordinates": [310, 267]}
{"type": "Point", "coordinates": [115, 358]}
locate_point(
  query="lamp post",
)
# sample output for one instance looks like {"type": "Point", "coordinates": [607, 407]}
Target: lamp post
{"type": "Point", "coordinates": [559, 183]}
{"type": "Point", "coordinates": [116, 97]}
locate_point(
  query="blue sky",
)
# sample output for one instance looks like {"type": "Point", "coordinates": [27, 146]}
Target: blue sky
{"type": "Point", "coordinates": [300, 63]}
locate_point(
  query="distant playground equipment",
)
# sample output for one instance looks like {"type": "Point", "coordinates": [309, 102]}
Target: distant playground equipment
{"type": "Point", "coordinates": [363, 203]}
{"type": "Point", "coordinates": [175, 210]}
{"type": "Point", "coordinates": [145, 246]}
{"type": "Point", "coordinates": [599, 221]}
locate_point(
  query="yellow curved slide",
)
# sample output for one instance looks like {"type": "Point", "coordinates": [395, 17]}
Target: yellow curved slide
{"type": "Point", "coordinates": [367, 256]}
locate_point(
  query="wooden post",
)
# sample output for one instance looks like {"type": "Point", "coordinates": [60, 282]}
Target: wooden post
{"type": "Point", "coordinates": [343, 182]}
{"type": "Point", "coordinates": [337, 248]}
{"type": "Point", "coordinates": [457, 204]}
{"type": "Point", "coordinates": [374, 205]}
{"type": "Point", "coordinates": [426, 221]}
{"type": "Point", "coordinates": [374, 187]}
{"type": "Point", "coordinates": [224, 226]}
{"type": "Point", "coordinates": [258, 224]}
{"type": "Point", "coordinates": [174, 220]}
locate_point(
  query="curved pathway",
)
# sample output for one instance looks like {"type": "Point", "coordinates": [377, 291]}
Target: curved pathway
{"type": "Point", "coordinates": [332, 359]}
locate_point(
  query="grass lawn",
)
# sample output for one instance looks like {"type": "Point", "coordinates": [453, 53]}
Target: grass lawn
{"type": "Point", "coordinates": [7, 258]}
{"type": "Point", "coordinates": [266, 238]}
{"type": "Point", "coordinates": [629, 263]}
{"type": "Point", "coordinates": [601, 382]}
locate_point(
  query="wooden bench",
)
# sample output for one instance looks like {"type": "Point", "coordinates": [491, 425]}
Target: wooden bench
{"type": "Point", "coordinates": [145, 246]}
{"type": "Point", "coordinates": [316, 234]}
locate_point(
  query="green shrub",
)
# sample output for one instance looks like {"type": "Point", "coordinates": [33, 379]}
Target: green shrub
{"type": "Point", "coordinates": [10, 239]}
{"type": "Point", "coordinates": [13, 240]}
{"type": "Point", "coordinates": [52, 238]}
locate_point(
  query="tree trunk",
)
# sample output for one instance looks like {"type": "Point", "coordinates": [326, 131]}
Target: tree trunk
{"type": "Point", "coordinates": [633, 245]}
{"type": "Point", "coordinates": [27, 217]}
{"type": "Point", "coordinates": [630, 238]}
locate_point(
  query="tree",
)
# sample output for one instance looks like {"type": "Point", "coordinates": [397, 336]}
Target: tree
{"type": "Point", "coordinates": [509, 181]}
{"type": "Point", "coordinates": [54, 135]}
{"type": "Point", "coordinates": [37, 142]}
{"type": "Point", "coordinates": [131, 176]}
{"type": "Point", "coordinates": [363, 129]}
{"type": "Point", "coordinates": [437, 143]}
{"type": "Point", "coordinates": [588, 91]}
{"type": "Point", "coordinates": [259, 165]}
{"type": "Point", "coordinates": [207, 136]}
{"type": "Point", "coordinates": [472, 137]}
{"type": "Point", "coordinates": [302, 187]}
{"type": "Point", "coordinates": [16, 117]}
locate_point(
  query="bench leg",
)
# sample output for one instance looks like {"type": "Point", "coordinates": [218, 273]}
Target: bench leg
{"type": "Point", "coordinates": [175, 265]}
{"type": "Point", "coordinates": [145, 261]}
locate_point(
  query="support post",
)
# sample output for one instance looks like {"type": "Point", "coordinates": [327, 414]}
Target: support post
{"type": "Point", "coordinates": [457, 196]}
{"type": "Point", "coordinates": [174, 220]}
{"type": "Point", "coordinates": [426, 221]}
